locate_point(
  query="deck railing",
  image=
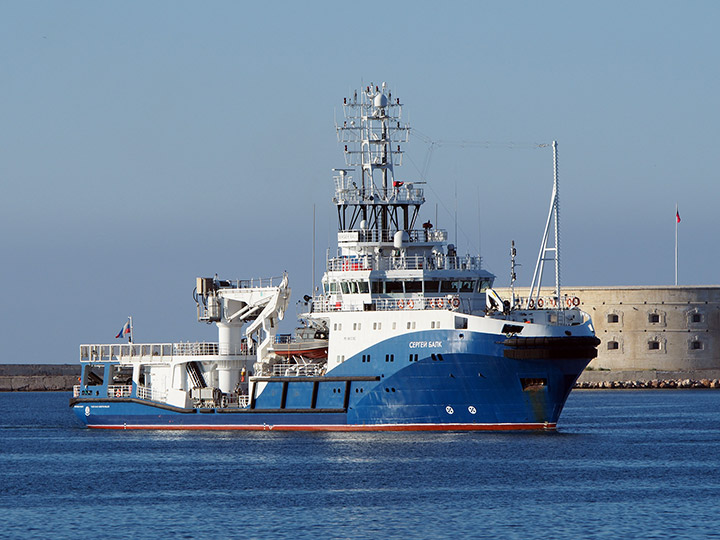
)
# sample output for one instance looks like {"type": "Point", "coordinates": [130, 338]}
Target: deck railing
{"type": "Point", "coordinates": [441, 262]}
{"type": "Point", "coordinates": [323, 304]}
{"type": "Point", "coordinates": [157, 352]}
{"type": "Point", "coordinates": [119, 390]}
{"type": "Point", "coordinates": [150, 393]}
{"type": "Point", "coordinates": [292, 370]}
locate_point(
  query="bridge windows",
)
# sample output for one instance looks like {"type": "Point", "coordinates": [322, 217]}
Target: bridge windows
{"type": "Point", "coordinates": [413, 286]}
{"type": "Point", "coordinates": [484, 284]}
{"type": "Point", "coordinates": [394, 287]}
{"type": "Point", "coordinates": [432, 286]}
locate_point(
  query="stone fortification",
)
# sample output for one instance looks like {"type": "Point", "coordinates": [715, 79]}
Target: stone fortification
{"type": "Point", "coordinates": [648, 328]}
{"type": "Point", "coordinates": [38, 377]}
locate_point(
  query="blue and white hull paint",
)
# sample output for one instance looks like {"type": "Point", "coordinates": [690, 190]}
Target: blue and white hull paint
{"type": "Point", "coordinates": [430, 380]}
{"type": "Point", "coordinates": [403, 334]}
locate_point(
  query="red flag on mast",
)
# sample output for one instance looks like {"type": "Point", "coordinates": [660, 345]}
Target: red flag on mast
{"type": "Point", "coordinates": [677, 216]}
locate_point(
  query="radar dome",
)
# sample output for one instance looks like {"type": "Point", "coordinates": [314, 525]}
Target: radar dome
{"type": "Point", "coordinates": [380, 101]}
{"type": "Point", "coordinates": [400, 238]}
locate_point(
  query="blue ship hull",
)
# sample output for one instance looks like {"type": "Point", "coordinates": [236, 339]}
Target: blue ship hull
{"type": "Point", "coordinates": [434, 380]}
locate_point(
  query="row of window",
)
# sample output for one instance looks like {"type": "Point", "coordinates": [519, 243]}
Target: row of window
{"type": "Point", "coordinates": [460, 324]}
{"type": "Point", "coordinates": [654, 318]}
{"type": "Point", "coordinates": [391, 358]}
{"type": "Point", "coordinates": [411, 325]}
{"type": "Point", "coordinates": [654, 345]}
{"type": "Point", "coordinates": [431, 286]}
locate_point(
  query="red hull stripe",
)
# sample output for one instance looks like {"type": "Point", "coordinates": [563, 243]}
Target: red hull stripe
{"type": "Point", "coordinates": [354, 427]}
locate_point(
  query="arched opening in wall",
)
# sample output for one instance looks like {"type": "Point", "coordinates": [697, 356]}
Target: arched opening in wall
{"type": "Point", "coordinates": [613, 346]}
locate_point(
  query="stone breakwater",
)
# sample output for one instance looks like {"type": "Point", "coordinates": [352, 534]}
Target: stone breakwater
{"type": "Point", "coordinates": [38, 377]}
{"type": "Point", "coordinates": [654, 383]}
{"type": "Point", "coordinates": [62, 377]}
{"type": "Point", "coordinates": [701, 378]}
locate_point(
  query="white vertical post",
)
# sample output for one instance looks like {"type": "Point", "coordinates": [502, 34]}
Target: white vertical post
{"type": "Point", "coordinates": [677, 220]}
{"type": "Point", "coordinates": [556, 188]}
{"type": "Point", "coordinates": [312, 288]}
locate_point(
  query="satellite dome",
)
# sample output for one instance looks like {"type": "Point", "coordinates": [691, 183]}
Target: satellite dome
{"type": "Point", "coordinates": [380, 101]}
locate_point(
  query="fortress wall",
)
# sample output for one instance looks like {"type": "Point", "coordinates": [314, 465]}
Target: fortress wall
{"type": "Point", "coordinates": [650, 328]}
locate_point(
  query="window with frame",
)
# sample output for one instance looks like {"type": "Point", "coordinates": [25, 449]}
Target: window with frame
{"type": "Point", "coordinates": [432, 286]}
{"type": "Point", "coordinates": [654, 318]}
{"type": "Point", "coordinates": [653, 345]}
{"type": "Point", "coordinates": [413, 286]}
{"type": "Point", "coordinates": [393, 287]}
{"type": "Point", "coordinates": [613, 345]}
{"type": "Point", "coordinates": [613, 318]}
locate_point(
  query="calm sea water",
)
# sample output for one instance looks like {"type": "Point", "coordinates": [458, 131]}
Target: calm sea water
{"type": "Point", "coordinates": [641, 464]}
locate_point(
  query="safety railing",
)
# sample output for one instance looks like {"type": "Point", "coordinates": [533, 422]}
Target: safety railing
{"type": "Point", "coordinates": [150, 393]}
{"type": "Point", "coordinates": [119, 390]}
{"type": "Point", "coordinates": [296, 370]}
{"type": "Point", "coordinates": [398, 194]}
{"type": "Point", "coordinates": [440, 262]}
{"type": "Point", "coordinates": [157, 352]}
{"type": "Point", "coordinates": [323, 304]}
{"type": "Point", "coordinates": [388, 236]}
{"type": "Point", "coordinates": [255, 283]}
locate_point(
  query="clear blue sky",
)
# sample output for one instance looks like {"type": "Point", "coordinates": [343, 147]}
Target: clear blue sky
{"type": "Point", "coordinates": [146, 143]}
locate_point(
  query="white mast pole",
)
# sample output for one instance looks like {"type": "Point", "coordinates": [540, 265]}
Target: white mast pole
{"type": "Point", "coordinates": [557, 223]}
{"type": "Point", "coordinates": [312, 288]}
{"type": "Point", "coordinates": [131, 330]}
{"type": "Point", "coordinates": [677, 216]}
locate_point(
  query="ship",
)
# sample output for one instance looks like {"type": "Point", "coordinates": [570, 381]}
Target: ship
{"type": "Point", "coordinates": [403, 333]}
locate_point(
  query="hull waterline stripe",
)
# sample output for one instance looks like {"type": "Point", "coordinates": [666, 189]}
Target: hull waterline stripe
{"type": "Point", "coordinates": [351, 427]}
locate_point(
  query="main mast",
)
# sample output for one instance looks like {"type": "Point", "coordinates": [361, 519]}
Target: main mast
{"type": "Point", "coordinates": [372, 133]}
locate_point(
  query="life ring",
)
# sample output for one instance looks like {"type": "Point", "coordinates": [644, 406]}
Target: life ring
{"type": "Point", "coordinates": [400, 304]}
{"type": "Point", "coordinates": [531, 303]}
{"type": "Point", "coordinates": [455, 302]}
{"type": "Point", "coordinates": [410, 304]}
{"type": "Point", "coordinates": [541, 303]}
{"type": "Point", "coordinates": [553, 302]}
{"type": "Point", "coordinates": [576, 301]}
{"type": "Point", "coordinates": [569, 302]}
{"type": "Point", "coordinates": [118, 392]}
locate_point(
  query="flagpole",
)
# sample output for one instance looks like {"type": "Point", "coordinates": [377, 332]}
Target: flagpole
{"type": "Point", "coordinates": [131, 329]}
{"type": "Point", "coordinates": [677, 220]}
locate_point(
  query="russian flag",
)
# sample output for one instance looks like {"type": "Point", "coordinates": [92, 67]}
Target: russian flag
{"type": "Point", "coordinates": [124, 330]}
